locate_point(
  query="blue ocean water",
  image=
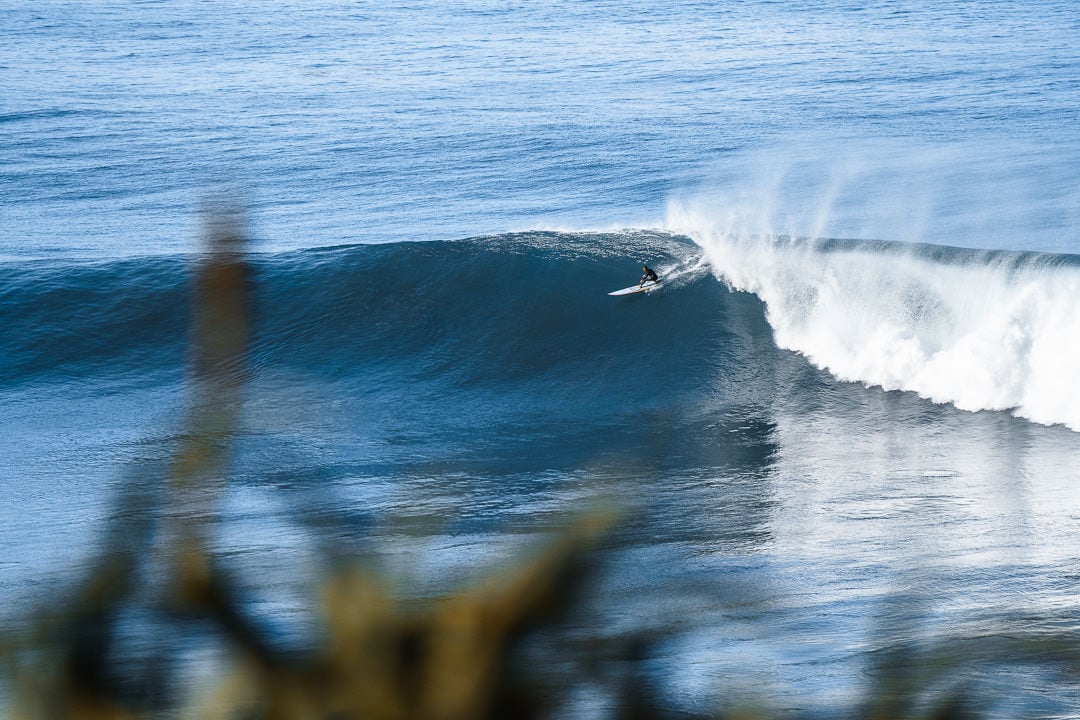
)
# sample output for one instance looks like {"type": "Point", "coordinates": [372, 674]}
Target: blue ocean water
{"type": "Point", "coordinates": [860, 381]}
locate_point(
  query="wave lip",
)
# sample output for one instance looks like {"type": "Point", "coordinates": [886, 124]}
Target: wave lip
{"type": "Point", "coordinates": [978, 329]}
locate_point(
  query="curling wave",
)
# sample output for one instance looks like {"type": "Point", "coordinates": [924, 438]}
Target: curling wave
{"type": "Point", "coordinates": [983, 330]}
{"type": "Point", "coordinates": [527, 316]}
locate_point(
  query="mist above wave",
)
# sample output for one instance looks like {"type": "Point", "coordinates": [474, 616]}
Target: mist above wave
{"type": "Point", "coordinates": [980, 330]}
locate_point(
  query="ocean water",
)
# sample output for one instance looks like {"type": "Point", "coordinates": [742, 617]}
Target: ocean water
{"type": "Point", "coordinates": [846, 426]}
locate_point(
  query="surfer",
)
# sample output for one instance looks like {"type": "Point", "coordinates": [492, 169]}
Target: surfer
{"type": "Point", "coordinates": [649, 274]}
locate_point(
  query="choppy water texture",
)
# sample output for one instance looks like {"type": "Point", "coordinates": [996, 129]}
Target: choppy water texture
{"type": "Point", "coordinates": [832, 447]}
{"type": "Point", "coordinates": [368, 122]}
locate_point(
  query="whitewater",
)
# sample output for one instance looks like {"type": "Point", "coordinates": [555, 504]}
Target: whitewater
{"type": "Point", "coordinates": [981, 330]}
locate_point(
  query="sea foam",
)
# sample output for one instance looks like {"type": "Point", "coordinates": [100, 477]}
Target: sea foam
{"type": "Point", "coordinates": [981, 330]}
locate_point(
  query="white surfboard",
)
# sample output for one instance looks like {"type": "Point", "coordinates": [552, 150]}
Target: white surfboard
{"type": "Point", "coordinates": [636, 289]}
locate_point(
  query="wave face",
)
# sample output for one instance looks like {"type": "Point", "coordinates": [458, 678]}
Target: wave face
{"type": "Point", "coordinates": [65, 321]}
{"type": "Point", "coordinates": [978, 329]}
{"type": "Point", "coordinates": [523, 307]}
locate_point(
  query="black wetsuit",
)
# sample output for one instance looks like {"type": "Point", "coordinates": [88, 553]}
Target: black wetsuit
{"type": "Point", "coordinates": [649, 275]}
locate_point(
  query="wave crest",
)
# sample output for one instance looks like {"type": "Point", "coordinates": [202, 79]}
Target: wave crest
{"type": "Point", "coordinates": [980, 330]}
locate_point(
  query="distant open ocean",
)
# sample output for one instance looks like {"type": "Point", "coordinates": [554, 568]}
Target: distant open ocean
{"type": "Point", "coordinates": [859, 381]}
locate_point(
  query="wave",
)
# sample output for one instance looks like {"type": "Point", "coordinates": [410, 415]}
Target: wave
{"type": "Point", "coordinates": [529, 313]}
{"type": "Point", "coordinates": [66, 320]}
{"type": "Point", "coordinates": [982, 330]}
{"type": "Point", "coordinates": [467, 311]}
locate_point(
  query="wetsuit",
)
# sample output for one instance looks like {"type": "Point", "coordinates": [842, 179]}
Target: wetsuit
{"type": "Point", "coordinates": [649, 275]}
